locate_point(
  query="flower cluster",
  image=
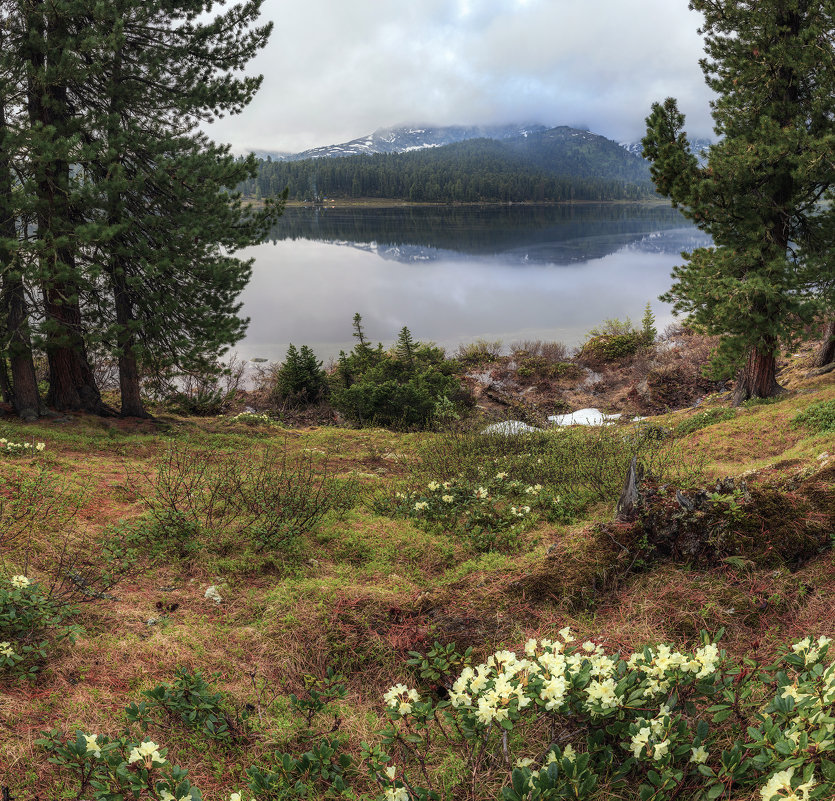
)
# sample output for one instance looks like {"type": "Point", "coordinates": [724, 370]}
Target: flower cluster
{"type": "Point", "coordinates": [147, 752]}
{"type": "Point", "coordinates": [17, 448]}
{"type": "Point", "coordinates": [401, 699]}
{"type": "Point", "coordinates": [562, 678]}
{"type": "Point", "coordinates": [19, 582]}
{"type": "Point", "coordinates": [253, 419]}
{"type": "Point", "coordinates": [491, 512]}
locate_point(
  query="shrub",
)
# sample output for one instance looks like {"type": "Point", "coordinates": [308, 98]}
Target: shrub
{"type": "Point", "coordinates": [96, 766]}
{"type": "Point", "coordinates": [603, 348]}
{"type": "Point", "coordinates": [402, 389]}
{"type": "Point", "coordinates": [191, 701]}
{"type": "Point", "coordinates": [32, 624]}
{"type": "Point", "coordinates": [262, 500]}
{"type": "Point", "coordinates": [614, 340]}
{"type": "Point", "coordinates": [479, 352]}
{"type": "Point", "coordinates": [580, 464]}
{"type": "Point", "coordinates": [300, 380]}
{"type": "Point", "coordinates": [490, 515]}
{"type": "Point", "coordinates": [253, 419]}
{"type": "Point", "coordinates": [567, 721]}
{"type": "Point", "coordinates": [552, 352]}
{"type": "Point", "coordinates": [818, 417]}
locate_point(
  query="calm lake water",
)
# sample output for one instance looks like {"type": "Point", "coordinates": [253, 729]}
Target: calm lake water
{"type": "Point", "coordinates": [454, 275]}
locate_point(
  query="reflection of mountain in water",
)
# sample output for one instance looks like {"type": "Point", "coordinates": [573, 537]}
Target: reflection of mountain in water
{"type": "Point", "coordinates": [516, 234]}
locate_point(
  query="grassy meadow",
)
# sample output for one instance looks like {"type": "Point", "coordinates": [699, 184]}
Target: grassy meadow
{"type": "Point", "coordinates": [320, 560]}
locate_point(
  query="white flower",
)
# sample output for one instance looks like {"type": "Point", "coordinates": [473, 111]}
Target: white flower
{"type": "Point", "coordinates": [447, 498]}
{"type": "Point", "coordinates": [640, 740]}
{"type": "Point", "coordinates": [40, 446]}
{"type": "Point", "coordinates": [421, 505]}
{"type": "Point", "coordinates": [235, 797]}
{"type": "Point", "coordinates": [6, 649]}
{"type": "Point", "coordinates": [698, 755]}
{"type": "Point", "coordinates": [779, 781]}
{"type": "Point", "coordinates": [566, 634]}
{"type": "Point", "coordinates": [480, 493]}
{"type": "Point", "coordinates": [523, 762]}
{"type": "Point", "coordinates": [500, 476]}
{"type": "Point", "coordinates": [433, 485]}
{"type": "Point", "coordinates": [660, 750]}
{"type": "Point", "coordinates": [92, 746]}
{"type": "Point", "coordinates": [391, 771]}
{"type": "Point", "coordinates": [19, 582]}
{"type": "Point", "coordinates": [147, 752]}
{"type": "Point", "coordinates": [397, 794]}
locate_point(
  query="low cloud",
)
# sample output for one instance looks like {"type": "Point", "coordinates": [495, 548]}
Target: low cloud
{"type": "Point", "coordinates": [336, 70]}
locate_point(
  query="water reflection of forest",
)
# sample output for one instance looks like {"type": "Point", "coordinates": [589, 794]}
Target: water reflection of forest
{"type": "Point", "coordinates": [556, 234]}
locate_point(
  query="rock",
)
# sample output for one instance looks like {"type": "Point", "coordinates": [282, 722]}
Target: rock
{"type": "Point", "coordinates": [629, 497]}
{"type": "Point", "coordinates": [212, 594]}
{"type": "Point", "coordinates": [583, 417]}
{"type": "Point", "coordinates": [510, 428]}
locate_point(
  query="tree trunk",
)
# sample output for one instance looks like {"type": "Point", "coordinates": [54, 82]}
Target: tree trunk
{"type": "Point", "coordinates": [23, 390]}
{"type": "Point", "coordinates": [128, 370]}
{"type": "Point", "coordinates": [758, 379]}
{"type": "Point", "coordinates": [25, 395]}
{"type": "Point", "coordinates": [826, 354]}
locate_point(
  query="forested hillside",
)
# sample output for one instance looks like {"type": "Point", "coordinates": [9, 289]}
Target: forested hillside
{"type": "Point", "coordinates": [556, 165]}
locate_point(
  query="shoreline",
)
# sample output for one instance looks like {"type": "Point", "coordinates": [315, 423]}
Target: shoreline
{"type": "Point", "coordinates": [383, 203]}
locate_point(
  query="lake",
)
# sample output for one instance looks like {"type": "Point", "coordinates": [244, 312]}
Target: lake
{"type": "Point", "coordinates": [457, 274]}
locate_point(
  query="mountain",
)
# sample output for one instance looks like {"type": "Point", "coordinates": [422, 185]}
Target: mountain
{"type": "Point", "coordinates": [407, 138]}
{"type": "Point", "coordinates": [533, 164]}
{"type": "Point", "coordinates": [697, 145]}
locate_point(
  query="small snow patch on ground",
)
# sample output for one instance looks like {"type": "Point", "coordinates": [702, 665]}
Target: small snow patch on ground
{"type": "Point", "coordinates": [583, 417]}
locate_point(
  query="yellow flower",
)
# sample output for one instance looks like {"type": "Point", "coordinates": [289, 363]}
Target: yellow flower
{"type": "Point", "coordinates": [92, 746]}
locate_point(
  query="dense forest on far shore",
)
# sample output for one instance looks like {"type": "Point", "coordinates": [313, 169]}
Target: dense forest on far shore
{"type": "Point", "coordinates": [555, 166]}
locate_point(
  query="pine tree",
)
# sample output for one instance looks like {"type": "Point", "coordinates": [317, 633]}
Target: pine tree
{"type": "Point", "coordinates": [771, 64]}
{"type": "Point", "coordinates": [136, 226]}
{"type": "Point", "coordinates": [173, 286]}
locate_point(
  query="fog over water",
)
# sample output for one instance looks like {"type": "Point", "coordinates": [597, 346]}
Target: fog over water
{"type": "Point", "coordinates": [453, 275]}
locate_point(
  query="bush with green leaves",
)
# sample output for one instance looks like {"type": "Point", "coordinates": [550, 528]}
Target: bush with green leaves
{"type": "Point", "coordinates": [96, 766]}
{"type": "Point", "coordinates": [403, 388]}
{"type": "Point", "coordinates": [33, 622]}
{"type": "Point", "coordinates": [570, 721]}
{"type": "Point", "coordinates": [818, 417]}
{"type": "Point", "coordinates": [300, 380]}
{"type": "Point", "coordinates": [190, 700]}
{"type": "Point", "coordinates": [321, 772]}
{"type": "Point", "coordinates": [325, 770]}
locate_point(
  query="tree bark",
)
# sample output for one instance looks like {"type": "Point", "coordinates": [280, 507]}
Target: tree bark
{"type": "Point", "coordinates": [826, 353]}
{"type": "Point", "coordinates": [23, 390]}
{"type": "Point", "coordinates": [25, 396]}
{"type": "Point", "coordinates": [129, 387]}
{"type": "Point", "coordinates": [758, 379]}
{"type": "Point", "coordinates": [128, 371]}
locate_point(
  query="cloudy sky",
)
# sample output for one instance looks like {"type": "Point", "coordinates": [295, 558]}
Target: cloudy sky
{"type": "Point", "coordinates": [335, 70]}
